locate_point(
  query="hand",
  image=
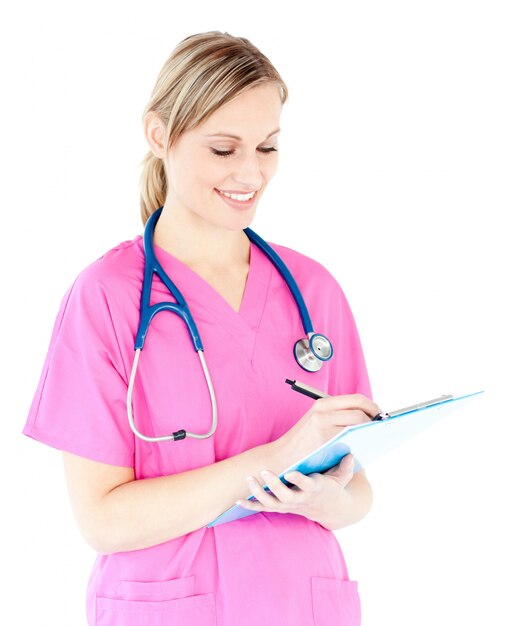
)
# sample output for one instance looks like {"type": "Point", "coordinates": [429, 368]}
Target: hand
{"type": "Point", "coordinates": [313, 495]}
{"type": "Point", "coordinates": [325, 419]}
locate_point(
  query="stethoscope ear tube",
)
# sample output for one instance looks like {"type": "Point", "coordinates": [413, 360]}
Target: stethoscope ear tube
{"type": "Point", "coordinates": [148, 311]}
{"type": "Point", "coordinates": [309, 352]}
{"type": "Point", "coordinates": [281, 267]}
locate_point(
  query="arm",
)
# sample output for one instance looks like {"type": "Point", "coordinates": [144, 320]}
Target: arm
{"type": "Point", "coordinates": [117, 513]}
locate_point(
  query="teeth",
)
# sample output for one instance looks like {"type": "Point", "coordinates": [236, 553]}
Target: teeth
{"type": "Point", "coordinates": [242, 197]}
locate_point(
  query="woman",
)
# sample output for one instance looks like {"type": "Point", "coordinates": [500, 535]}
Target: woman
{"type": "Point", "coordinates": [212, 126]}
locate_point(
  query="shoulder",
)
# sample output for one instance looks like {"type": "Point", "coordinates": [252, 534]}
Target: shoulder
{"type": "Point", "coordinates": [106, 290]}
{"type": "Point", "coordinates": [113, 272]}
{"type": "Point", "coordinates": [307, 271]}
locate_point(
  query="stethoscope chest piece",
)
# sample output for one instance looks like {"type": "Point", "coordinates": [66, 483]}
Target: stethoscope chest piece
{"type": "Point", "coordinates": [311, 353]}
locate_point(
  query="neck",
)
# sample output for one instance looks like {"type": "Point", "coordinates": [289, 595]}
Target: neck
{"type": "Point", "coordinates": [197, 243]}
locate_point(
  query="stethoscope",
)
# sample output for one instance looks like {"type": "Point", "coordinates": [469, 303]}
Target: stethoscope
{"type": "Point", "coordinates": [309, 352]}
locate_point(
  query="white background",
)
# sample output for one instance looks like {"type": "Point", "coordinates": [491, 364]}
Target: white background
{"type": "Point", "coordinates": [398, 171]}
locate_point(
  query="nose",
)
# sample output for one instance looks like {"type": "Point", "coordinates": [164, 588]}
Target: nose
{"type": "Point", "coordinates": [249, 172]}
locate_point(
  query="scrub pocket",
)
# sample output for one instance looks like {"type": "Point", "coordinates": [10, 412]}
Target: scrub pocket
{"type": "Point", "coordinates": [168, 602]}
{"type": "Point", "coordinates": [335, 602]}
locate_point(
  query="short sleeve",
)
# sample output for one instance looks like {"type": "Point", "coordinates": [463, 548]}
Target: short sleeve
{"type": "Point", "coordinates": [80, 402]}
{"type": "Point", "coordinates": [349, 374]}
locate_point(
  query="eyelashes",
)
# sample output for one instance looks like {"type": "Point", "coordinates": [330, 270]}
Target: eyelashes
{"type": "Point", "coordinates": [226, 153]}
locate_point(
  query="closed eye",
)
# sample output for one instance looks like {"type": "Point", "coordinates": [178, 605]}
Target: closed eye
{"type": "Point", "coordinates": [225, 153]}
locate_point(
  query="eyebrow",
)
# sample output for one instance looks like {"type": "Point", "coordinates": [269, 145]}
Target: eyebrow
{"type": "Point", "coordinates": [239, 138]}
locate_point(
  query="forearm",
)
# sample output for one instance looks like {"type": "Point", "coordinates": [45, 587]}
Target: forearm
{"type": "Point", "coordinates": [354, 504]}
{"type": "Point", "coordinates": [146, 512]}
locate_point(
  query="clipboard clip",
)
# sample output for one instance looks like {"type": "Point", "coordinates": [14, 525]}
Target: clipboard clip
{"type": "Point", "coordinates": [420, 405]}
{"type": "Point", "coordinates": [314, 393]}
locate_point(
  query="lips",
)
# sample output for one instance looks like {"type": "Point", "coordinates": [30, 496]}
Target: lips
{"type": "Point", "coordinates": [236, 192]}
{"type": "Point", "coordinates": [237, 204]}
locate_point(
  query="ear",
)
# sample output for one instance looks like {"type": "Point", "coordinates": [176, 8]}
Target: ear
{"type": "Point", "coordinates": [155, 133]}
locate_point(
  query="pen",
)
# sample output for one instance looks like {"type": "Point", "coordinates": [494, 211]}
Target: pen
{"type": "Point", "coordinates": [314, 393]}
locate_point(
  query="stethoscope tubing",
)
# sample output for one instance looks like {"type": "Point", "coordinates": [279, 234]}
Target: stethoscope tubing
{"type": "Point", "coordinates": [148, 311]}
{"type": "Point", "coordinates": [305, 351]}
{"type": "Point", "coordinates": [179, 434]}
{"type": "Point", "coordinates": [280, 265]}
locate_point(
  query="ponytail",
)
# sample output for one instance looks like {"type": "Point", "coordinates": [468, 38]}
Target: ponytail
{"type": "Point", "coordinates": [153, 184]}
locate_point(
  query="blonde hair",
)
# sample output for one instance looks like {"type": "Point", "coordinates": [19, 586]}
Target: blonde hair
{"type": "Point", "coordinates": [204, 72]}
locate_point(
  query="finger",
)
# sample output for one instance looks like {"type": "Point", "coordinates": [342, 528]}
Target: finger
{"type": "Point", "coordinates": [303, 482]}
{"type": "Point", "coordinates": [260, 494]}
{"type": "Point", "coordinates": [342, 417]}
{"type": "Point", "coordinates": [347, 462]}
{"type": "Point", "coordinates": [251, 505]}
{"type": "Point", "coordinates": [277, 487]}
{"type": "Point", "coordinates": [343, 469]}
{"type": "Point", "coordinates": [350, 401]}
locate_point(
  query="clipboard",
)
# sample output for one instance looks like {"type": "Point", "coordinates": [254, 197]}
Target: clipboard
{"type": "Point", "coordinates": [367, 442]}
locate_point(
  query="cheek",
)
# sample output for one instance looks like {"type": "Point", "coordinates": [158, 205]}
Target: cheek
{"type": "Point", "coordinates": [181, 178]}
{"type": "Point", "coordinates": [195, 174]}
{"type": "Point", "coordinates": [211, 174]}
{"type": "Point", "coordinates": [270, 168]}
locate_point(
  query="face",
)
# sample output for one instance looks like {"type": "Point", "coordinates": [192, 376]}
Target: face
{"type": "Point", "coordinates": [232, 151]}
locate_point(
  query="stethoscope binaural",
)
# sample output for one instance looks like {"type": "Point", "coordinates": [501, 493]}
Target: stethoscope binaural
{"type": "Point", "coordinates": [309, 352]}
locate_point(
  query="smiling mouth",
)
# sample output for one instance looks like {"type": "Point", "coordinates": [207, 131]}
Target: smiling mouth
{"type": "Point", "coordinates": [238, 197]}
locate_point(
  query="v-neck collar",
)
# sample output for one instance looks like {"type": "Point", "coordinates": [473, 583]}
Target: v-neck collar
{"type": "Point", "coordinates": [205, 303]}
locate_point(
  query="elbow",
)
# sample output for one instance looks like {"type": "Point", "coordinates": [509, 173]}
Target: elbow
{"type": "Point", "coordinates": [107, 537]}
{"type": "Point", "coordinates": [104, 544]}
{"type": "Point", "coordinates": [98, 539]}
{"type": "Point", "coordinates": [99, 534]}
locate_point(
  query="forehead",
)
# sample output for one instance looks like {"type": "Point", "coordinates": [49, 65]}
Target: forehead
{"type": "Point", "coordinates": [254, 112]}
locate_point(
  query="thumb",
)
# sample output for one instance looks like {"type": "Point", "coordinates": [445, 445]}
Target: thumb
{"type": "Point", "coordinates": [343, 470]}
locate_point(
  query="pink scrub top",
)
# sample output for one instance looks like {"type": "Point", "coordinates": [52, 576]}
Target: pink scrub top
{"type": "Point", "coordinates": [269, 568]}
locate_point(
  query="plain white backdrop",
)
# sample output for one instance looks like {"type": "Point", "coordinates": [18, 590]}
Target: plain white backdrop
{"type": "Point", "coordinates": [398, 171]}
